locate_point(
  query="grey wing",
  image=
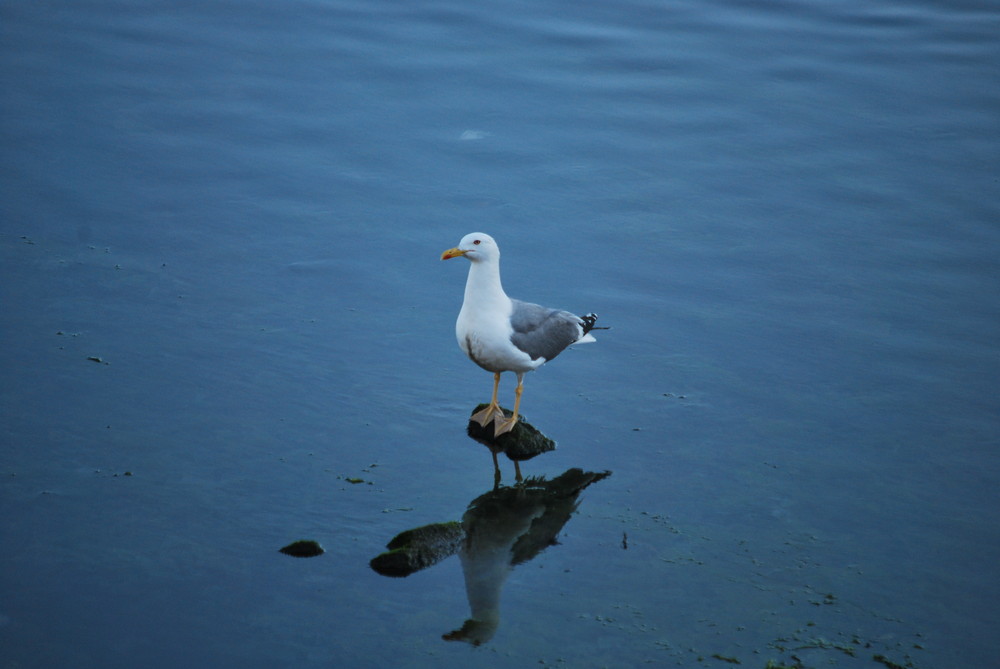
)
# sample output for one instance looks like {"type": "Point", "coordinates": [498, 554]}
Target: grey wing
{"type": "Point", "coordinates": [541, 332]}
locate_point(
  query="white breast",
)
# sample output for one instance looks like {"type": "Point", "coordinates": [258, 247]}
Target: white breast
{"type": "Point", "coordinates": [483, 332]}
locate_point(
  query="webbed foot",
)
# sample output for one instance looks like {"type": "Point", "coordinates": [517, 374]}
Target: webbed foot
{"type": "Point", "coordinates": [504, 425]}
{"type": "Point", "coordinates": [492, 413]}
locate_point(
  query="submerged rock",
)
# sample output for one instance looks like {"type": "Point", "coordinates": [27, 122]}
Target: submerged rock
{"type": "Point", "coordinates": [303, 548]}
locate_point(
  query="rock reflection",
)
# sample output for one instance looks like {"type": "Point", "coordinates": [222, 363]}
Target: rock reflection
{"type": "Point", "coordinates": [500, 529]}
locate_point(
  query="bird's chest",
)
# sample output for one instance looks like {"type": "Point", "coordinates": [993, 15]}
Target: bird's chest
{"type": "Point", "coordinates": [485, 338]}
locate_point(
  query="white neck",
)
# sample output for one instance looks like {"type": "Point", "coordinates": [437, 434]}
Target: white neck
{"type": "Point", "coordinates": [483, 288]}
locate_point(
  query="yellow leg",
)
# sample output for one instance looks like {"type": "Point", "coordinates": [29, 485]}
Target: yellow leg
{"type": "Point", "coordinates": [493, 411]}
{"type": "Point", "coordinates": [496, 471]}
{"type": "Point", "coordinates": [508, 425]}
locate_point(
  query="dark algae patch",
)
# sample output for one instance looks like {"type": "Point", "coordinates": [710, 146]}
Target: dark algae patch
{"type": "Point", "coordinates": [889, 663]}
{"type": "Point", "coordinates": [730, 660]}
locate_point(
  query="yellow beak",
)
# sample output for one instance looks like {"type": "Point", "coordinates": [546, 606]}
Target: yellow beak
{"type": "Point", "coordinates": [453, 253]}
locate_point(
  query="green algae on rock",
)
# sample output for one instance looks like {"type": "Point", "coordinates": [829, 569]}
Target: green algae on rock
{"type": "Point", "coordinates": [419, 548]}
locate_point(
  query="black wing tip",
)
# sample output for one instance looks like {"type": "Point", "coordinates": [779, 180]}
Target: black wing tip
{"type": "Point", "coordinates": [588, 323]}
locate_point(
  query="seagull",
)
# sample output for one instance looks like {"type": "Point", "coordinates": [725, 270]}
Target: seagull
{"type": "Point", "coordinates": [504, 335]}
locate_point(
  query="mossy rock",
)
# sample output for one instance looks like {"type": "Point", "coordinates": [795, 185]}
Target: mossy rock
{"type": "Point", "coordinates": [419, 548]}
{"type": "Point", "coordinates": [521, 443]}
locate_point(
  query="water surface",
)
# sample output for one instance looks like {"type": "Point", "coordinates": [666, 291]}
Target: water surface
{"type": "Point", "coordinates": [220, 226]}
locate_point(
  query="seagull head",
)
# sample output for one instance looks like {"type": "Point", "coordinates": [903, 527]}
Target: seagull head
{"type": "Point", "coordinates": [476, 246]}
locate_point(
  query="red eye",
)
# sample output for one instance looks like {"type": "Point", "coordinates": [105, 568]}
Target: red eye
{"type": "Point", "coordinates": [476, 242]}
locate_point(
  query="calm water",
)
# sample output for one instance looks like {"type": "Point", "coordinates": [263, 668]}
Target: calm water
{"type": "Point", "coordinates": [220, 227]}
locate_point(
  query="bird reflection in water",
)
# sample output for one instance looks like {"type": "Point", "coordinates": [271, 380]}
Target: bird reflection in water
{"type": "Point", "coordinates": [500, 529]}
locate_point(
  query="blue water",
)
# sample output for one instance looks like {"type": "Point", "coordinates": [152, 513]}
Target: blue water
{"type": "Point", "coordinates": [789, 212]}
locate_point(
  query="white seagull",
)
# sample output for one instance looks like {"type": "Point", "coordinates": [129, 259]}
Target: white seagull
{"type": "Point", "coordinates": [504, 335]}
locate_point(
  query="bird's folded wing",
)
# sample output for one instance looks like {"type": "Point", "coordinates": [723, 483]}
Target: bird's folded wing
{"type": "Point", "coordinates": [542, 332]}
